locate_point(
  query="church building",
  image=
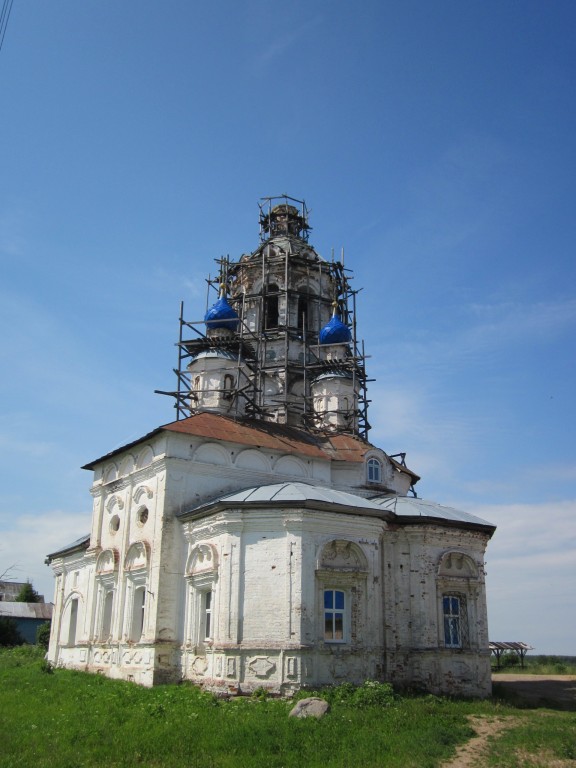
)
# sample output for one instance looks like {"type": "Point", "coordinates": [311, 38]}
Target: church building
{"type": "Point", "coordinates": [260, 540]}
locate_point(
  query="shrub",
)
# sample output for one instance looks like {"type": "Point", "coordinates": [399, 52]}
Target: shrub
{"type": "Point", "coordinates": [43, 635]}
{"type": "Point", "coordinates": [509, 659]}
{"type": "Point", "coordinates": [370, 694]}
{"type": "Point", "coordinates": [9, 634]}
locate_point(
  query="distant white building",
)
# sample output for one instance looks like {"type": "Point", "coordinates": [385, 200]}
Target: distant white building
{"type": "Point", "coordinates": [260, 540]}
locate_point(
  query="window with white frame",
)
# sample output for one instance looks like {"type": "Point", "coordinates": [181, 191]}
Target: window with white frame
{"type": "Point", "coordinates": [207, 614]}
{"type": "Point", "coordinates": [455, 621]}
{"type": "Point", "coordinates": [202, 575]}
{"type": "Point", "coordinates": [373, 471]}
{"type": "Point", "coordinates": [341, 574]}
{"type": "Point", "coordinates": [73, 621]}
{"type": "Point", "coordinates": [334, 613]}
{"type": "Point", "coordinates": [138, 606]}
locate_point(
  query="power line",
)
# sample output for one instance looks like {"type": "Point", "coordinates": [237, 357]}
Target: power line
{"type": "Point", "coordinates": [4, 16]}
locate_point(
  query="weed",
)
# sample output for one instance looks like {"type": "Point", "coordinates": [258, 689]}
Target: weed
{"type": "Point", "coordinates": [47, 667]}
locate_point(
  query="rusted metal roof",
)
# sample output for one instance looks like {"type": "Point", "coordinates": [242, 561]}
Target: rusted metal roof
{"type": "Point", "coordinates": [259, 434]}
{"type": "Point", "coordinates": [26, 610]}
{"type": "Point", "coordinates": [264, 434]}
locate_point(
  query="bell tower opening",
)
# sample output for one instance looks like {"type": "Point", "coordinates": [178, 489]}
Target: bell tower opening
{"type": "Point", "coordinates": [271, 313]}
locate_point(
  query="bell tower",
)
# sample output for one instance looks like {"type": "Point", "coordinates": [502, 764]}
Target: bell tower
{"type": "Point", "coordinates": [279, 342]}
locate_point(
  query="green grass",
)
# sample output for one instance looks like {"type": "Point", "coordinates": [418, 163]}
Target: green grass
{"type": "Point", "coordinates": [543, 665]}
{"type": "Point", "coordinates": [73, 720]}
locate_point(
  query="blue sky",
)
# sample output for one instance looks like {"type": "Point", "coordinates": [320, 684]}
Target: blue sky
{"type": "Point", "coordinates": [434, 141]}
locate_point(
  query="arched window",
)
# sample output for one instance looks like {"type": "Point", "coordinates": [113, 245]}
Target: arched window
{"type": "Point", "coordinates": [271, 306]}
{"type": "Point", "coordinates": [72, 624]}
{"type": "Point", "coordinates": [373, 471]}
{"type": "Point", "coordinates": [228, 386]}
{"type": "Point", "coordinates": [202, 576]}
{"type": "Point", "coordinates": [302, 320]}
{"type": "Point", "coordinates": [341, 575]}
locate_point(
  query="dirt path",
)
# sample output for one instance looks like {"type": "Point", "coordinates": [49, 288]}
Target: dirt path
{"type": "Point", "coordinates": [471, 754]}
{"type": "Point", "coordinates": [532, 691]}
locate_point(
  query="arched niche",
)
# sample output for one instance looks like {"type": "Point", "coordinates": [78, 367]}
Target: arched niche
{"type": "Point", "coordinates": [297, 389]}
{"type": "Point", "coordinates": [136, 557]}
{"type": "Point", "coordinates": [309, 286]}
{"type": "Point", "coordinates": [342, 555]}
{"type": "Point", "coordinates": [107, 561]}
{"type": "Point", "coordinates": [143, 491]}
{"type": "Point", "coordinates": [457, 564]}
{"type": "Point", "coordinates": [251, 459]}
{"type": "Point", "coordinates": [145, 457]}
{"type": "Point", "coordinates": [202, 559]}
{"type": "Point", "coordinates": [110, 473]}
{"type": "Point", "coordinates": [271, 386]}
{"type": "Point", "coordinates": [288, 465]}
{"type": "Point", "coordinates": [210, 453]}
{"type": "Point", "coordinates": [114, 502]}
{"type": "Point", "coordinates": [127, 465]}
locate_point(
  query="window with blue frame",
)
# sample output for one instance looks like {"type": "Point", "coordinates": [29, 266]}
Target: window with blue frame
{"type": "Point", "coordinates": [373, 471]}
{"type": "Point", "coordinates": [334, 609]}
{"type": "Point", "coordinates": [455, 621]}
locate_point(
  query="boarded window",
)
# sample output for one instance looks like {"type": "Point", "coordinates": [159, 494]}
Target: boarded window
{"type": "Point", "coordinates": [138, 614]}
{"type": "Point", "coordinates": [107, 615]}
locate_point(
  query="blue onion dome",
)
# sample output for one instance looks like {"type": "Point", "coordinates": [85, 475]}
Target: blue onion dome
{"type": "Point", "coordinates": [222, 315]}
{"type": "Point", "coordinates": [335, 332]}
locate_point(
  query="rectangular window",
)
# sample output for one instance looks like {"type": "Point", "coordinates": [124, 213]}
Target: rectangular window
{"type": "Point", "coordinates": [107, 615]}
{"type": "Point", "coordinates": [73, 622]}
{"type": "Point", "coordinates": [138, 606]}
{"type": "Point", "coordinates": [455, 621]}
{"type": "Point", "coordinates": [207, 615]}
{"type": "Point", "coordinates": [334, 603]}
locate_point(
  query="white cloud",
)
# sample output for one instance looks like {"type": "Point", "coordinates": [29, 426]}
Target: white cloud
{"type": "Point", "coordinates": [29, 538]}
{"type": "Point", "coordinates": [506, 322]}
{"type": "Point", "coordinates": [531, 574]}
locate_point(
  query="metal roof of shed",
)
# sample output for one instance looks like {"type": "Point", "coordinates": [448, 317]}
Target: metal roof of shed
{"type": "Point", "coordinates": [16, 610]}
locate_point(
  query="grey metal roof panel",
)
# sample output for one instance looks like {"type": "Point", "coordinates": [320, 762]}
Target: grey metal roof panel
{"type": "Point", "coordinates": [218, 353]}
{"type": "Point", "coordinates": [293, 494]}
{"type": "Point", "coordinates": [81, 543]}
{"type": "Point", "coordinates": [408, 506]}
